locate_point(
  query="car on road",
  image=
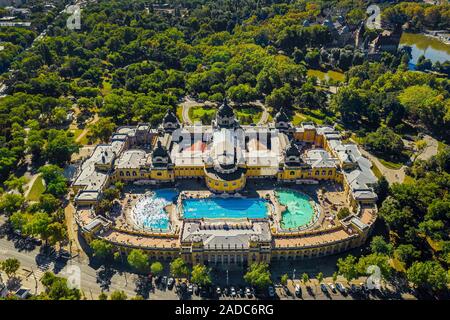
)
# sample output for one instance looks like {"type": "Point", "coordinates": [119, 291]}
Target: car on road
{"type": "Point", "coordinates": [298, 290]}
{"type": "Point", "coordinates": [170, 283]}
{"type": "Point", "coordinates": [341, 288]}
{"type": "Point", "coordinates": [248, 292]}
{"type": "Point", "coordinates": [323, 287]}
{"type": "Point", "coordinates": [332, 287]}
{"type": "Point", "coordinates": [271, 291]}
{"type": "Point", "coordinates": [218, 291]}
{"type": "Point", "coordinates": [233, 292]}
{"type": "Point", "coordinates": [196, 290]}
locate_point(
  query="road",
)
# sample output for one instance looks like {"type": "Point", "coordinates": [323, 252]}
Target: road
{"type": "Point", "coordinates": [391, 175]}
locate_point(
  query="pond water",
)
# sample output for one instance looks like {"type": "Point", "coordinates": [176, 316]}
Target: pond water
{"type": "Point", "coordinates": [430, 47]}
{"type": "Point", "coordinates": [326, 76]}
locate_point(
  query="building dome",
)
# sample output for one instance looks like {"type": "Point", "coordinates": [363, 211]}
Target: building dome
{"type": "Point", "coordinates": [170, 117]}
{"type": "Point", "coordinates": [292, 150]}
{"type": "Point", "coordinates": [160, 151]}
{"type": "Point", "coordinates": [225, 110]}
{"type": "Point", "coordinates": [281, 116]}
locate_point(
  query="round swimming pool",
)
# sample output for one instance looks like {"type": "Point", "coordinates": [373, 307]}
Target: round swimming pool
{"type": "Point", "coordinates": [299, 210]}
{"type": "Point", "coordinates": [149, 211]}
{"type": "Point", "coordinates": [232, 208]}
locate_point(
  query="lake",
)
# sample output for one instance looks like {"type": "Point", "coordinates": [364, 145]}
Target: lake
{"type": "Point", "coordinates": [430, 47]}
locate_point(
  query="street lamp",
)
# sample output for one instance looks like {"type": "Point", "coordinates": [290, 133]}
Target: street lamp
{"type": "Point", "coordinates": [227, 277]}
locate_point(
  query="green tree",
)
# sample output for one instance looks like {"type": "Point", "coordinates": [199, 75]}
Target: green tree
{"type": "Point", "coordinates": [56, 288]}
{"type": "Point", "coordinates": [138, 259]}
{"type": "Point", "coordinates": [102, 296]}
{"type": "Point", "coordinates": [178, 268]}
{"type": "Point", "coordinates": [347, 267]}
{"type": "Point", "coordinates": [10, 203]}
{"type": "Point", "coordinates": [200, 275]}
{"type": "Point", "coordinates": [156, 268]}
{"type": "Point", "coordinates": [319, 277]}
{"type": "Point", "coordinates": [118, 295]}
{"type": "Point", "coordinates": [343, 213]}
{"type": "Point", "coordinates": [258, 275]}
{"type": "Point", "coordinates": [102, 249]}
{"type": "Point", "coordinates": [428, 274]}
{"type": "Point", "coordinates": [305, 278]}
{"type": "Point", "coordinates": [284, 279]}
{"type": "Point", "coordinates": [379, 245]}
{"type": "Point", "coordinates": [102, 130]}
{"type": "Point", "coordinates": [10, 266]}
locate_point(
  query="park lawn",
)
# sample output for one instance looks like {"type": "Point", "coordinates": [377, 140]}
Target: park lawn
{"type": "Point", "coordinates": [243, 114]}
{"type": "Point", "coordinates": [441, 146]}
{"type": "Point", "coordinates": [36, 190]}
{"type": "Point", "coordinates": [106, 87]}
{"type": "Point", "coordinates": [390, 165]}
{"type": "Point", "coordinates": [376, 171]}
{"type": "Point", "coordinates": [409, 180]}
{"type": "Point", "coordinates": [196, 113]}
{"type": "Point", "coordinates": [180, 113]}
{"type": "Point", "coordinates": [76, 133]}
{"type": "Point", "coordinates": [397, 265]}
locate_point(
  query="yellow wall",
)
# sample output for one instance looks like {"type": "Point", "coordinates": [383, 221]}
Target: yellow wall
{"type": "Point", "coordinates": [225, 186]}
{"type": "Point", "coordinates": [189, 172]}
{"type": "Point", "coordinates": [161, 174]}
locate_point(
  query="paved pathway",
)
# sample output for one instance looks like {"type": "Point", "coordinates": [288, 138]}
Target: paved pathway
{"type": "Point", "coordinates": [189, 103]}
{"type": "Point", "coordinates": [430, 150]}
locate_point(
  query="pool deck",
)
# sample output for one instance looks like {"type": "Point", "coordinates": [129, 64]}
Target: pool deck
{"type": "Point", "coordinates": [329, 197]}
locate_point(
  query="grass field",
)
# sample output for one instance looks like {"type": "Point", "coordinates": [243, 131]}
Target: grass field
{"type": "Point", "coordinates": [37, 189]}
{"type": "Point", "coordinates": [76, 133]}
{"type": "Point", "coordinates": [390, 165]}
{"type": "Point", "coordinates": [246, 115]}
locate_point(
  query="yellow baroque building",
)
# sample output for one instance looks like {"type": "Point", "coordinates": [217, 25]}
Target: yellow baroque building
{"type": "Point", "coordinates": [225, 156]}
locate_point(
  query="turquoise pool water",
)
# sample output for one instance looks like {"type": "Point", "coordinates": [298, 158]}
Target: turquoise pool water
{"type": "Point", "coordinates": [299, 210]}
{"type": "Point", "coordinates": [216, 208]}
{"type": "Point", "coordinates": [149, 211]}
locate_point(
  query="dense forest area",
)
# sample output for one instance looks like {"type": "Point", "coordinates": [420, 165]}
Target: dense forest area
{"type": "Point", "coordinates": [130, 63]}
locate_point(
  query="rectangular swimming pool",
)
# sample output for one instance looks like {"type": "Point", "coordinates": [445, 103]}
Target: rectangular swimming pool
{"type": "Point", "coordinates": [218, 208]}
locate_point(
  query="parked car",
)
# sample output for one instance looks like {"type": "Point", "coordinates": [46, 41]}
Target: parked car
{"type": "Point", "coordinates": [240, 292]}
{"type": "Point", "coordinates": [170, 283]}
{"type": "Point", "coordinates": [232, 292]}
{"type": "Point", "coordinates": [354, 288]}
{"type": "Point", "coordinates": [323, 287]}
{"type": "Point", "coordinates": [248, 292]}
{"type": "Point", "coordinates": [332, 287]}
{"type": "Point", "coordinates": [298, 290]}
{"type": "Point", "coordinates": [225, 291]}
{"type": "Point", "coordinates": [164, 281]}
{"type": "Point", "coordinates": [271, 291]}
{"type": "Point", "coordinates": [190, 288]}
{"type": "Point", "coordinates": [218, 291]}
{"type": "Point", "coordinates": [341, 288]}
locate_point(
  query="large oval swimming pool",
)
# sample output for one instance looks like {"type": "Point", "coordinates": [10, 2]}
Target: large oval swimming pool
{"type": "Point", "coordinates": [218, 208]}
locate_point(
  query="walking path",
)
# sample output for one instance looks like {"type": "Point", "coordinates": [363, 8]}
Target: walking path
{"type": "Point", "coordinates": [189, 103]}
